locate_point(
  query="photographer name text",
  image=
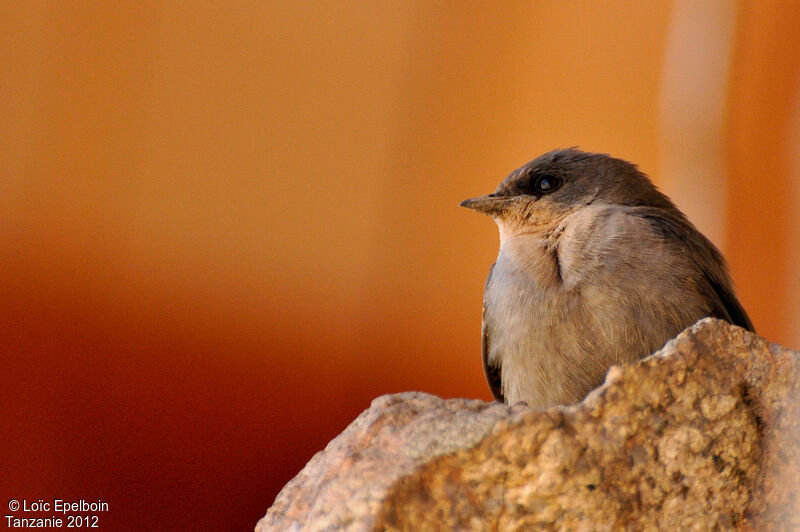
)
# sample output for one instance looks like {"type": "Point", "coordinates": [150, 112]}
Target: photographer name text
{"type": "Point", "coordinates": [74, 514]}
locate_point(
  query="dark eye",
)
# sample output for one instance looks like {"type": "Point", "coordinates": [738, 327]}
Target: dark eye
{"type": "Point", "coordinates": [546, 183]}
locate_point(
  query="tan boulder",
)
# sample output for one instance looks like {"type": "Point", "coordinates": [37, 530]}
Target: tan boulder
{"type": "Point", "coordinates": [703, 435]}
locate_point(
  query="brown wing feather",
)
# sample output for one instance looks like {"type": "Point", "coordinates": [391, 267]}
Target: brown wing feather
{"type": "Point", "coordinates": [726, 306]}
{"type": "Point", "coordinates": [708, 259]}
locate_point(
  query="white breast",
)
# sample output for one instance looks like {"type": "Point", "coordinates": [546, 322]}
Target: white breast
{"type": "Point", "coordinates": [525, 302]}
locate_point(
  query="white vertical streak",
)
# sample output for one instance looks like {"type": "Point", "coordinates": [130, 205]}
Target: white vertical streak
{"type": "Point", "coordinates": [692, 112]}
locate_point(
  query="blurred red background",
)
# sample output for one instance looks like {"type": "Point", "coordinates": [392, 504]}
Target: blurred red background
{"type": "Point", "coordinates": [227, 227]}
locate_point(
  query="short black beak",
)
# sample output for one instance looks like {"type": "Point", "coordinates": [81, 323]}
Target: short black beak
{"type": "Point", "coordinates": [489, 204]}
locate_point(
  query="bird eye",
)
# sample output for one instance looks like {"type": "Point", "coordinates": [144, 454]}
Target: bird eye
{"type": "Point", "coordinates": [547, 183]}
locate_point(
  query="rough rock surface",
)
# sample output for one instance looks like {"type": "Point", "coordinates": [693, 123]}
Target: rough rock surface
{"type": "Point", "coordinates": [703, 435]}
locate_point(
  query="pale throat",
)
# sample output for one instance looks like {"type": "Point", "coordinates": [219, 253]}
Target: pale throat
{"type": "Point", "coordinates": [510, 229]}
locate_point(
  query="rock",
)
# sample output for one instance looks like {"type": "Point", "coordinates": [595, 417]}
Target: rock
{"type": "Point", "coordinates": [703, 435]}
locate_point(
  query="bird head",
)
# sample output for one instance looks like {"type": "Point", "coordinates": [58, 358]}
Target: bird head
{"type": "Point", "coordinates": [536, 197]}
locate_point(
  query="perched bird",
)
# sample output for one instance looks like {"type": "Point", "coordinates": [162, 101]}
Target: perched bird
{"type": "Point", "coordinates": [596, 267]}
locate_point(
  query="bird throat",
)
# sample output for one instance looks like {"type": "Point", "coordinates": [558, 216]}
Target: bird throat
{"type": "Point", "coordinates": [546, 229]}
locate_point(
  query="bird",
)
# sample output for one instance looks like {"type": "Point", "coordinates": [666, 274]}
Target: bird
{"type": "Point", "coordinates": [596, 268]}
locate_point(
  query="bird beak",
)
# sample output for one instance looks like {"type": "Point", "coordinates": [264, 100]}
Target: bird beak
{"type": "Point", "coordinates": [489, 204]}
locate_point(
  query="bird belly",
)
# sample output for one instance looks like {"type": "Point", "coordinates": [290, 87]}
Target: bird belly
{"type": "Point", "coordinates": [532, 338]}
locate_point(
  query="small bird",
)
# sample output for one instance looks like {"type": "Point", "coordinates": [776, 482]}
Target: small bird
{"type": "Point", "coordinates": [596, 267]}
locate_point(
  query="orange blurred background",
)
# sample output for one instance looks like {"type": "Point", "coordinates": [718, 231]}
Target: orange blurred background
{"type": "Point", "coordinates": [228, 226]}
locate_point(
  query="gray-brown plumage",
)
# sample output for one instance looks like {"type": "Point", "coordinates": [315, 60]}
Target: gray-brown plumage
{"type": "Point", "coordinates": [596, 267]}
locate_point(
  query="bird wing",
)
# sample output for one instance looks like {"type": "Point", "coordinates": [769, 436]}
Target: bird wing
{"type": "Point", "coordinates": [726, 306]}
{"type": "Point", "coordinates": [717, 285]}
{"type": "Point", "coordinates": [492, 371]}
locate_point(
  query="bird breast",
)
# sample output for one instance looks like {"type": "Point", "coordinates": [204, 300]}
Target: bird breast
{"type": "Point", "coordinates": [525, 303]}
